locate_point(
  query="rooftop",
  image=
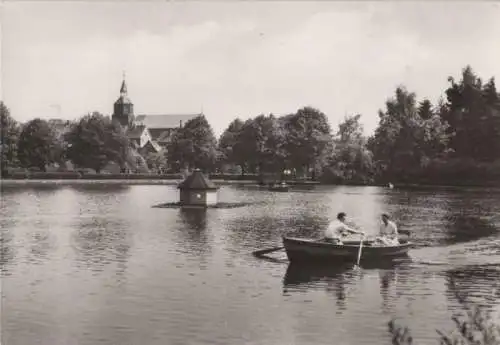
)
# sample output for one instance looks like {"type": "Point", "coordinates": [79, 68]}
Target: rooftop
{"type": "Point", "coordinates": [136, 132]}
{"type": "Point", "coordinates": [164, 121]}
{"type": "Point", "coordinates": [197, 181]}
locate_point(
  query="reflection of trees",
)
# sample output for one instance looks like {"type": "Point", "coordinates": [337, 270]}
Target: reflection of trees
{"type": "Point", "coordinates": [100, 188]}
{"type": "Point", "coordinates": [41, 187]}
{"type": "Point", "coordinates": [462, 227]}
{"type": "Point", "coordinates": [441, 216]}
{"type": "Point", "coordinates": [100, 241]}
{"type": "Point", "coordinates": [477, 285]}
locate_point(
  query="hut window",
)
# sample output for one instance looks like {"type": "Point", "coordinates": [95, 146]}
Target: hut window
{"type": "Point", "coordinates": [198, 196]}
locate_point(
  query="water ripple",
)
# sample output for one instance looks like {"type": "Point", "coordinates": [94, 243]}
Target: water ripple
{"type": "Point", "coordinates": [96, 264]}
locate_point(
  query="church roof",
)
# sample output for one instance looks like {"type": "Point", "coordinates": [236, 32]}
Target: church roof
{"type": "Point", "coordinates": [197, 181]}
{"type": "Point", "coordinates": [123, 100]}
{"type": "Point", "coordinates": [136, 132]}
{"type": "Point", "coordinates": [164, 121]}
{"type": "Point", "coordinates": [154, 145]}
{"type": "Point", "coordinates": [164, 137]}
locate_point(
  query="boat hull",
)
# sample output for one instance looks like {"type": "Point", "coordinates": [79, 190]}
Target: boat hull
{"type": "Point", "coordinates": [305, 250]}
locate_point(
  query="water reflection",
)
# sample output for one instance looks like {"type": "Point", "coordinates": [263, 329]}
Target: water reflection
{"type": "Point", "coordinates": [337, 280]}
{"type": "Point", "coordinates": [192, 233]}
{"type": "Point", "coordinates": [333, 279]}
{"type": "Point", "coordinates": [40, 242]}
{"type": "Point", "coordinates": [442, 217]}
{"type": "Point", "coordinates": [157, 252]}
{"type": "Point", "coordinates": [37, 187]}
{"type": "Point", "coordinates": [99, 241]}
{"type": "Point", "coordinates": [387, 279]}
{"type": "Point", "coordinates": [254, 230]}
{"type": "Point", "coordinates": [194, 218]}
{"type": "Point", "coordinates": [474, 284]}
{"type": "Point", "coordinates": [465, 228]}
{"type": "Point", "coordinates": [7, 250]}
{"type": "Point", "coordinates": [101, 188]}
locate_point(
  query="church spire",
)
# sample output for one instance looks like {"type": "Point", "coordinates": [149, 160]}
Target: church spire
{"type": "Point", "coordinates": [123, 107]}
{"type": "Point", "coordinates": [123, 89]}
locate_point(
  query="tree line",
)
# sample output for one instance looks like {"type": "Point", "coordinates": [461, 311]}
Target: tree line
{"type": "Point", "coordinates": [455, 140]}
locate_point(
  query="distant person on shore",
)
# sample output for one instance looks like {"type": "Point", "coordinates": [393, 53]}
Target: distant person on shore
{"type": "Point", "coordinates": [338, 229]}
{"type": "Point", "coordinates": [388, 234]}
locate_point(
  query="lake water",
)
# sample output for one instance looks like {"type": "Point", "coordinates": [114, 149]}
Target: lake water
{"type": "Point", "coordinates": [96, 264]}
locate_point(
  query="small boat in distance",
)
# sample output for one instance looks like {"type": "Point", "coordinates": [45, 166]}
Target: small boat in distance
{"type": "Point", "coordinates": [279, 187]}
{"type": "Point", "coordinates": [305, 250]}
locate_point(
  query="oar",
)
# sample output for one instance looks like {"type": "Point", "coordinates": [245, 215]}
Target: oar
{"type": "Point", "coordinates": [267, 251]}
{"type": "Point", "coordinates": [359, 251]}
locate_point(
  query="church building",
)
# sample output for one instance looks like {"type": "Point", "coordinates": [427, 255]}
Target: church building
{"type": "Point", "coordinates": [148, 133]}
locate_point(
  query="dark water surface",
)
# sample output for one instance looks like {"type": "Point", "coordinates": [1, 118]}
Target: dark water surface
{"type": "Point", "coordinates": [88, 264]}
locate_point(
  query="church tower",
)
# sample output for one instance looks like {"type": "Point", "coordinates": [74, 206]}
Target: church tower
{"type": "Point", "coordinates": [123, 108]}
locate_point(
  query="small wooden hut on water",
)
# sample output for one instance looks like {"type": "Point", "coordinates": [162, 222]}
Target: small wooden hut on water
{"type": "Point", "coordinates": [197, 190]}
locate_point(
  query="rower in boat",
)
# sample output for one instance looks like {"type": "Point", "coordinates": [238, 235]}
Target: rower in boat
{"type": "Point", "coordinates": [338, 229]}
{"type": "Point", "coordinates": [388, 234]}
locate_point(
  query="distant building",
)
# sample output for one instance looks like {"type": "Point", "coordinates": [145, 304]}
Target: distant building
{"type": "Point", "coordinates": [148, 133]}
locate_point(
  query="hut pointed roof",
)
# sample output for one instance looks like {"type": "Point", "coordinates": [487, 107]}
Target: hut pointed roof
{"type": "Point", "coordinates": [197, 181]}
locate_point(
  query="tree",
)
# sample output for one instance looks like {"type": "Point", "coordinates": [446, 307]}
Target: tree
{"type": "Point", "coordinates": [156, 160]}
{"type": "Point", "coordinates": [60, 128]}
{"type": "Point", "coordinates": [473, 117]}
{"type": "Point", "coordinates": [351, 160]}
{"type": "Point", "coordinates": [9, 136]}
{"type": "Point", "coordinates": [251, 144]}
{"type": "Point", "coordinates": [119, 147]}
{"type": "Point", "coordinates": [38, 145]}
{"type": "Point", "coordinates": [194, 145]}
{"type": "Point", "coordinates": [490, 94]}
{"type": "Point", "coordinates": [230, 146]}
{"type": "Point", "coordinates": [261, 144]}
{"type": "Point", "coordinates": [94, 141]}
{"type": "Point", "coordinates": [404, 141]}
{"type": "Point", "coordinates": [425, 110]}
{"type": "Point", "coordinates": [350, 130]}
{"type": "Point", "coordinates": [309, 139]}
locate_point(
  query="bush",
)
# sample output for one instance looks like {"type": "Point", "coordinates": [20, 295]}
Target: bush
{"type": "Point", "coordinates": [55, 175]}
{"type": "Point", "coordinates": [39, 175]}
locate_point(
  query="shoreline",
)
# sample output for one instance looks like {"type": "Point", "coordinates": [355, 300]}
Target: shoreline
{"type": "Point", "coordinates": [133, 181]}
{"type": "Point", "coordinates": [168, 181]}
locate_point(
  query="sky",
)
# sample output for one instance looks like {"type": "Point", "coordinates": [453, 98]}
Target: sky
{"type": "Point", "coordinates": [238, 59]}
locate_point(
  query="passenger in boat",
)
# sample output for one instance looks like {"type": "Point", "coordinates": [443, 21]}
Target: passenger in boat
{"type": "Point", "coordinates": [338, 229]}
{"type": "Point", "coordinates": [388, 234]}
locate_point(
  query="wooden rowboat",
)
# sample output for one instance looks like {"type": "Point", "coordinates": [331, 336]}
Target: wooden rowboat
{"type": "Point", "coordinates": [303, 250]}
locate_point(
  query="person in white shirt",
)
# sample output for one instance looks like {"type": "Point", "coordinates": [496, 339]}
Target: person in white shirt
{"type": "Point", "coordinates": [388, 234]}
{"type": "Point", "coordinates": [338, 229]}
